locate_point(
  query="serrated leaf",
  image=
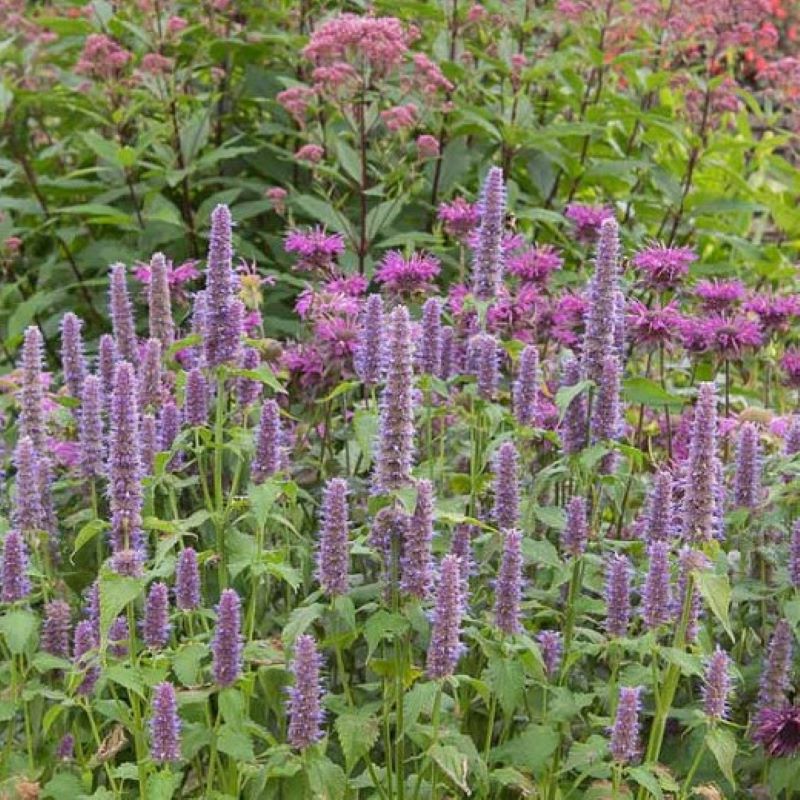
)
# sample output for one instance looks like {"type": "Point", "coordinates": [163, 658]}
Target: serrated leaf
{"type": "Point", "coordinates": [507, 681]}
{"type": "Point", "coordinates": [116, 591]}
{"type": "Point", "coordinates": [358, 732]}
{"type": "Point", "coordinates": [453, 763]}
{"type": "Point", "coordinates": [236, 743]}
{"type": "Point", "coordinates": [262, 497]}
{"type": "Point", "coordinates": [566, 394]}
{"type": "Point", "coordinates": [530, 750]}
{"type": "Point", "coordinates": [645, 778]}
{"type": "Point", "coordinates": [646, 392]}
{"type": "Point", "coordinates": [551, 516]}
{"type": "Point", "coordinates": [326, 779]}
{"type": "Point", "coordinates": [18, 627]}
{"type": "Point", "coordinates": [125, 675]}
{"type": "Point", "coordinates": [300, 619]}
{"type": "Point", "coordinates": [722, 743]}
{"type": "Point", "coordinates": [87, 533]}
{"type": "Point", "coordinates": [716, 591]}
{"type": "Point", "coordinates": [162, 785]}
{"type": "Point", "coordinates": [383, 625]}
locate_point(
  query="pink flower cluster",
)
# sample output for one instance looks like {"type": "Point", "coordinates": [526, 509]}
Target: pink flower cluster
{"type": "Point", "coordinates": [102, 58]}
{"type": "Point", "coordinates": [407, 276]}
{"type": "Point", "coordinates": [316, 249]}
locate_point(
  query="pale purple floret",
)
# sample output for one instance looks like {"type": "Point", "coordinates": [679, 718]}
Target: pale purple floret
{"type": "Point", "coordinates": [149, 376]}
{"type": "Point", "coordinates": [624, 743]}
{"type": "Point", "coordinates": [717, 684]}
{"type": "Point", "coordinates": [483, 357]}
{"type": "Point", "coordinates": [148, 442]}
{"type": "Point", "coordinates": [487, 260]}
{"type": "Point", "coordinates": [416, 563]}
{"type": "Point", "coordinates": [187, 580]}
{"type": "Point", "coordinates": [156, 627]}
{"type": "Point", "coordinates": [27, 512]}
{"type": "Point", "coordinates": [195, 404]}
{"type": "Point", "coordinates": [776, 673]}
{"type": "Point", "coordinates": [506, 486]}
{"type": "Point", "coordinates": [430, 345]}
{"type": "Point", "coordinates": [575, 535]}
{"type": "Point", "coordinates": [16, 585]}
{"type": "Point", "coordinates": [526, 386]}
{"type": "Point", "coordinates": [445, 645]}
{"type": "Point", "coordinates": [606, 422]}
{"type": "Point", "coordinates": [159, 301]}
{"type": "Point", "coordinates": [551, 646]}
{"type": "Point", "coordinates": [268, 458]}
{"type": "Point", "coordinates": [247, 389]}
{"type": "Point", "coordinates": [333, 557]}
{"type": "Point", "coordinates": [747, 480]}
{"type": "Point", "coordinates": [107, 366]}
{"type": "Point", "coordinates": [56, 628]}
{"type": "Point", "coordinates": [31, 412]}
{"type": "Point", "coordinates": [658, 522]}
{"type": "Point", "coordinates": [508, 587]}
{"type": "Point", "coordinates": [657, 592]}
{"type": "Point", "coordinates": [121, 310]}
{"type": "Point", "coordinates": [574, 424]}
{"type": "Point", "coordinates": [91, 429]}
{"type": "Point", "coordinates": [227, 646]}
{"type": "Point", "coordinates": [165, 725]}
{"type": "Point", "coordinates": [618, 594]}
{"type": "Point", "coordinates": [73, 360]}
{"type": "Point", "coordinates": [85, 656]}
{"type": "Point", "coordinates": [794, 556]}
{"type": "Point", "coordinates": [367, 358]}
{"type": "Point", "coordinates": [304, 707]}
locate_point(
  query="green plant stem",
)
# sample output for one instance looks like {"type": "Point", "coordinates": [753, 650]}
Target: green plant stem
{"type": "Point", "coordinates": [687, 784]}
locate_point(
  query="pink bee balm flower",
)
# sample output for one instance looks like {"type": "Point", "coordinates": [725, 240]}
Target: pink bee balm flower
{"type": "Point", "coordinates": [310, 153]}
{"type": "Point", "coordinates": [315, 248]}
{"type": "Point", "coordinates": [587, 219]}
{"type": "Point", "coordinates": [730, 336]}
{"type": "Point", "coordinates": [663, 267]}
{"type": "Point", "coordinates": [534, 264]}
{"type": "Point", "coordinates": [410, 275]}
{"type": "Point", "coordinates": [460, 218]}
{"type": "Point", "coordinates": [654, 326]}
{"type": "Point", "coordinates": [774, 312]}
{"type": "Point", "coordinates": [177, 277]}
{"type": "Point", "coordinates": [719, 295]}
{"type": "Point", "coordinates": [790, 366]}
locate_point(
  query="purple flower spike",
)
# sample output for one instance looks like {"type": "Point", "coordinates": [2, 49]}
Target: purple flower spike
{"type": "Point", "coordinates": [624, 743]}
{"type": "Point", "coordinates": [187, 581]}
{"type": "Point", "coordinates": [573, 426]}
{"type": "Point", "coordinates": [91, 438]}
{"type": "Point", "coordinates": [390, 525]}
{"type": "Point", "coordinates": [107, 366]}
{"type": "Point", "coordinates": [27, 512]}
{"type": "Point", "coordinates": [618, 595]}
{"type": "Point", "coordinates": [430, 346]}
{"type": "Point", "coordinates": [717, 685]}
{"type": "Point", "coordinates": [226, 648]}
{"type": "Point", "coordinates": [526, 386]}
{"type": "Point", "coordinates": [508, 588]}
{"type": "Point", "coordinates": [16, 585]}
{"type": "Point", "coordinates": [606, 421]}
{"type": "Point", "coordinates": [72, 357]}
{"type": "Point", "coordinates": [395, 448]}
{"type": "Point", "coordinates": [119, 637]}
{"type": "Point", "coordinates": [793, 436]}
{"type": "Point", "coordinates": [31, 414]}
{"type": "Point", "coordinates": [149, 377]}
{"type": "Point", "coordinates": [148, 442]}
{"type": "Point", "coordinates": [195, 404]}
{"type": "Point", "coordinates": [576, 529]}
{"type": "Point", "coordinates": [162, 326]}
{"type": "Point", "coordinates": [169, 428]}
{"type": "Point", "coordinates": [776, 675]}
{"type": "Point", "coordinates": [658, 519]}
{"type": "Point", "coordinates": [334, 544]}
{"type": "Point", "coordinates": [487, 263]}
{"type": "Point", "coordinates": [85, 657]}
{"type": "Point", "coordinates": [66, 748]}
{"type": "Point", "coordinates": [461, 548]}
{"type": "Point", "coordinates": [248, 390]}
{"type": "Point", "coordinates": [747, 482]}
{"type": "Point", "coordinates": [268, 458]}
{"type": "Point", "coordinates": [447, 353]}
{"type": "Point", "coordinates": [657, 595]}
{"type": "Point", "coordinates": [506, 486]}
{"type": "Point", "coordinates": [122, 315]}
{"type": "Point", "coordinates": [417, 567]}
{"type": "Point", "coordinates": [699, 498]}
{"type": "Point", "coordinates": [367, 358]}
{"type": "Point", "coordinates": [688, 561]}
{"type": "Point", "coordinates": [794, 556]}
{"type": "Point", "coordinates": [56, 629]}
{"type": "Point", "coordinates": [156, 627]}
{"type": "Point", "coordinates": [483, 361]}
{"type": "Point", "coordinates": [165, 725]}
{"type": "Point", "coordinates": [91, 606]}
{"type": "Point", "coordinates": [551, 645]}
{"type": "Point", "coordinates": [445, 645]}
{"type": "Point", "coordinates": [304, 708]}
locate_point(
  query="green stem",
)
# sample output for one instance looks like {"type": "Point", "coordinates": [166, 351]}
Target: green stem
{"type": "Point", "coordinates": [687, 784]}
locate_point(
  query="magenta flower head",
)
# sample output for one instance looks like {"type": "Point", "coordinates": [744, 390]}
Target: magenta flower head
{"type": "Point", "coordinates": [508, 587]}
{"type": "Point", "coordinates": [777, 730]}
{"type": "Point", "coordinates": [506, 486]}
{"type": "Point", "coordinates": [85, 657]}
{"type": "Point", "coordinates": [187, 581]}
{"type": "Point", "coordinates": [395, 448]}
{"type": "Point", "coordinates": [367, 357]}
{"type": "Point", "coordinates": [268, 458]}
{"type": "Point", "coordinates": [624, 744]}
{"type": "Point", "coordinates": [162, 326]}
{"type": "Point", "coordinates": [333, 557]}
{"type": "Point", "coordinates": [226, 649]}
{"type": "Point", "coordinates": [31, 412]}
{"type": "Point", "coordinates": [56, 629]}
{"type": "Point", "coordinates": [653, 326]}
{"type": "Point", "coordinates": [165, 725]}
{"type": "Point", "coordinates": [776, 674]}
{"type": "Point", "coordinates": [747, 481]}
{"type": "Point", "coordinates": [526, 386]}
{"type": "Point", "coordinates": [156, 627]}
{"type": "Point", "coordinates": [73, 359]}
{"type": "Point", "coordinates": [90, 429]}
{"type": "Point", "coordinates": [573, 425]}
{"type": "Point", "coordinates": [730, 336]}
{"type": "Point", "coordinates": [719, 296]}
{"type": "Point", "coordinates": [304, 708]}
{"type": "Point", "coordinates": [445, 645]}
{"type": "Point", "coordinates": [195, 402]}
{"type": "Point", "coordinates": [459, 218]}
{"type": "Point", "coordinates": [790, 367]}
{"type": "Point", "coordinates": [551, 646]}
{"type": "Point", "coordinates": [121, 310]}
{"type": "Point", "coordinates": [483, 360]}
{"type": "Point", "coordinates": [534, 264]}
{"type": "Point", "coordinates": [16, 585]}
{"type": "Point", "coordinates": [657, 593]}
{"type": "Point", "coordinates": [662, 268]}
{"type": "Point", "coordinates": [618, 594]}
{"type": "Point", "coordinates": [416, 561]}
{"type": "Point", "coordinates": [407, 276]}
{"type": "Point", "coordinates": [27, 511]}
{"type": "Point", "coordinates": [575, 535]}
{"type": "Point", "coordinates": [149, 376]}
{"type": "Point", "coordinates": [316, 250]}
{"type": "Point", "coordinates": [430, 346]}
{"type": "Point", "coordinates": [775, 312]}
{"type": "Point", "coordinates": [658, 522]}
{"type": "Point", "coordinates": [487, 260]}
{"type": "Point", "coordinates": [717, 685]}
{"type": "Point", "coordinates": [587, 219]}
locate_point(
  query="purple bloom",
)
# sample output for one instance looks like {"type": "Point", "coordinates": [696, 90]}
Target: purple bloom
{"type": "Point", "coordinates": [775, 312]}
{"type": "Point", "coordinates": [148, 442]}
{"type": "Point", "coordinates": [304, 708]}
{"type": "Point", "coordinates": [56, 629]}
{"type": "Point", "coordinates": [576, 531]}
{"type": "Point", "coordinates": [506, 486]}
{"type": "Point", "coordinates": [717, 685]}
{"type": "Point", "coordinates": [395, 449]}
{"type": "Point", "coordinates": [390, 526]}
{"type": "Point", "coordinates": [729, 336]}
{"type": "Point", "coordinates": [624, 744]}
{"type": "Point", "coordinates": [445, 645]}
{"type": "Point", "coordinates": [121, 310]}
{"type": "Point", "coordinates": [317, 250]}
{"type": "Point", "coordinates": [85, 656]}
{"type": "Point", "coordinates": [195, 402]}
{"type": "Point", "coordinates": [606, 422]}
{"type": "Point", "coordinates": [447, 354]}
{"type": "Point", "coordinates": [169, 428]}
{"type": "Point", "coordinates": [482, 358]}
{"type": "Point", "coordinates": [268, 458]}
{"type": "Point", "coordinates": [573, 425]}
{"type": "Point", "coordinates": [334, 543]}
{"type": "Point", "coordinates": [776, 674]}
{"type": "Point", "coordinates": [407, 276]}
{"type": "Point", "coordinates": [31, 413]}
{"type": "Point", "coordinates": [90, 429]}
{"type": "Point", "coordinates": [119, 637]}
{"type": "Point", "coordinates": [508, 587]}
{"type": "Point", "coordinates": [663, 267]}
{"type": "Point", "coordinates": [66, 748]}
{"type": "Point", "coordinates": [107, 365]}
{"type": "Point", "coordinates": [699, 521]}
{"type": "Point", "coordinates": [187, 581]}
{"type": "Point", "coordinates": [156, 627]}
{"type": "Point", "coordinates": [165, 725]}
{"type": "Point", "coordinates": [45, 486]}
{"type": "Point", "coordinates": [790, 366]}
{"type": "Point", "coordinates": [27, 512]}
{"type": "Point", "coordinates": [534, 264]}
{"type": "Point", "coordinates": [416, 566]}
{"type": "Point", "coordinates": [461, 548]}
{"type": "Point", "coordinates": [367, 357]}
{"type": "Point", "coordinates": [659, 517]}
{"type": "Point", "coordinates": [747, 481]}
{"type": "Point", "coordinates": [719, 296]}
{"type": "Point", "coordinates": [526, 386]}
{"type": "Point", "coordinates": [226, 648]}
{"type": "Point", "coordinates": [16, 585]}
{"type": "Point", "coordinates": [551, 645]}
{"type": "Point", "coordinates": [654, 326]}
{"type": "Point", "coordinates": [162, 326]}
{"type": "Point", "coordinates": [792, 445]}
{"type": "Point", "coordinates": [689, 561]}
{"type": "Point", "coordinates": [487, 262]}
{"type": "Point", "coordinates": [657, 595]}
{"type": "Point", "coordinates": [430, 344]}
{"type": "Point", "coordinates": [777, 730]}
{"type": "Point", "coordinates": [794, 556]}
{"type": "Point", "coordinates": [459, 217]}
{"type": "Point", "coordinates": [618, 591]}
{"type": "Point", "coordinates": [91, 606]}
{"type": "Point", "coordinates": [587, 219]}
{"type": "Point", "coordinates": [149, 376]}
{"type": "Point", "coordinates": [72, 358]}
{"type": "Point", "coordinates": [248, 390]}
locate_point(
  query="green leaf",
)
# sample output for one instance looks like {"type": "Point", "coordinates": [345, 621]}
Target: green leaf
{"type": "Point", "coordinates": [566, 394]}
{"type": "Point", "coordinates": [65, 784]}
{"type": "Point", "coordinates": [262, 374]}
{"type": "Point", "coordinates": [327, 780]}
{"type": "Point", "coordinates": [530, 750]}
{"type": "Point", "coordinates": [17, 627]}
{"type": "Point", "coordinates": [323, 212]}
{"type": "Point", "coordinates": [722, 743]}
{"type": "Point", "coordinates": [508, 776]}
{"type": "Point", "coordinates": [383, 625]}
{"type": "Point", "coordinates": [126, 676]}
{"type": "Point", "coordinates": [116, 591]}
{"type": "Point", "coordinates": [231, 706]}
{"type": "Point", "coordinates": [300, 619]}
{"type": "Point", "coordinates": [262, 497]}
{"type": "Point", "coordinates": [551, 516]}
{"type": "Point", "coordinates": [716, 591]}
{"type": "Point", "coordinates": [645, 778]}
{"type": "Point", "coordinates": [162, 785]}
{"type": "Point", "coordinates": [358, 731]}
{"type": "Point", "coordinates": [186, 663]}
{"type": "Point", "coordinates": [643, 391]}
{"type": "Point", "coordinates": [235, 743]}
{"type": "Point", "coordinates": [506, 678]}
{"type": "Point", "coordinates": [453, 763]}
{"type": "Point", "coordinates": [87, 533]}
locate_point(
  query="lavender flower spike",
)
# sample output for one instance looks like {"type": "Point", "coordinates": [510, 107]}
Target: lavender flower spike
{"type": "Point", "coordinates": [717, 685]}
{"type": "Point", "coordinates": [27, 511]}
{"type": "Point", "coordinates": [658, 519]}
{"type": "Point", "coordinates": [149, 376]}
{"type": "Point", "coordinates": [56, 629]}
{"type": "Point", "coordinates": [430, 346]}
{"type": "Point", "coordinates": [482, 359]}
{"type": "Point", "coordinates": [417, 569]}
{"type": "Point", "coordinates": [156, 627]}
{"type": "Point", "coordinates": [508, 587]}
{"type": "Point", "coordinates": [334, 545]}
{"type": "Point", "coordinates": [775, 677]}
{"type": "Point", "coordinates": [576, 531]}
{"type": "Point", "coordinates": [606, 411]}
{"type": "Point", "coordinates": [794, 556]}
{"type": "Point", "coordinates": [84, 658]}
{"type": "Point", "coordinates": [506, 486]}
{"type": "Point", "coordinates": [162, 326]}
{"type": "Point", "coordinates": [618, 602]}
{"type": "Point", "coordinates": [657, 596]}
{"type": "Point", "coordinates": [195, 403]}
{"type": "Point", "coordinates": [367, 358]}
{"type": "Point", "coordinates": [304, 709]}
{"type": "Point", "coordinates": [148, 442]}
{"type": "Point", "coordinates": [395, 448]}
{"type": "Point", "coordinates": [747, 482]}
{"type": "Point", "coordinates": [268, 458]}
{"type": "Point", "coordinates": [90, 429]}
{"type": "Point", "coordinates": [487, 264]}
{"type": "Point", "coordinates": [526, 386]}
{"type": "Point", "coordinates": [445, 645]}
{"type": "Point", "coordinates": [122, 315]}
{"type": "Point", "coordinates": [551, 645]}
{"type": "Point", "coordinates": [16, 585]}
{"type": "Point", "coordinates": [226, 649]}
{"type": "Point", "coordinates": [31, 414]}
{"type": "Point", "coordinates": [573, 426]}
{"type": "Point", "coordinates": [165, 725]}
{"type": "Point", "coordinates": [107, 365]}
{"type": "Point", "coordinates": [187, 581]}
{"type": "Point", "coordinates": [624, 743]}
{"type": "Point", "coordinates": [72, 358]}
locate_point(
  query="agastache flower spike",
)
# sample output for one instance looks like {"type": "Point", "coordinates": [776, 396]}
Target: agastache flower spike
{"type": "Point", "coordinates": [487, 263]}
{"type": "Point", "coordinates": [551, 645]}
{"type": "Point", "coordinates": [148, 442]}
{"type": "Point", "coordinates": [576, 531]}
{"type": "Point", "coordinates": [445, 645]}
{"type": "Point", "coordinates": [606, 411]}
{"type": "Point", "coordinates": [162, 326]}
{"type": "Point", "coordinates": [268, 458]}
{"type": "Point", "coordinates": [395, 447]}
{"type": "Point", "coordinates": [793, 436]}
{"type": "Point", "coordinates": [656, 596]}
{"type": "Point", "coordinates": [83, 656]}
{"type": "Point", "coordinates": [27, 511]}
{"type": "Point", "coordinates": [390, 525]}
{"type": "Point", "coordinates": [624, 744]}
{"type": "Point", "coordinates": [156, 627]}
{"type": "Point", "coordinates": [107, 365]}
{"type": "Point", "coordinates": [90, 429]}
{"type": "Point", "coordinates": [195, 404]}
{"type": "Point", "coordinates": [417, 569]}
{"type": "Point", "coordinates": [187, 581]}
{"type": "Point", "coordinates": [122, 315]}
{"type": "Point", "coordinates": [119, 637]}
{"type": "Point", "coordinates": [169, 428]}
{"type": "Point", "coordinates": [334, 544]}
{"type": "Point", "coordinates": [226, 649]}
{"type": "Point", "coordinates": [73, 360]}
{"type": "Point", "coordinates": [506, 486]}
{"type": "Point", "coordinates": [16, 585]}
{"type": "Point", "coordinates": [775, 676]}
{"type": "Point", "coordinates": [508, 587]}
{"type": "Point", "coordinates": [573, 426]}
{"type": "Point", "coordinates": [688, 561]}
{"type": "Point", "coordinates": [717, 685]}
{"type": "Point", "coordinates": [461, 548]}
{"type": "Point", "coordinates": [367, 358]}
{"type": "Point", "coordinates": [482, 358]}
{"type": "Point", "coordinates": [658, 519]}
{"type": "Point", "coordinates": [430, 346]}
{"type": "Point", "coordinates": [526, 386]}
{"type": "Point", "coordinates": [165, 725]}
{"type": "Point", "coordinates": [794, 556]}
{"type": "Point", "coordinates": [248, 390]}
{"type": "Point", "coordinates": [618, 602]}
{"type": "Point", "coordinates": [56, 629]}
{"type": "Point", "coordinates": [747, 482]}
{"type": "Point", "coordinates": [447, 354]}
{"type": "Point", "coordinates": [31, 414]}
{"type": "Point", "coordinates": [304, 709]}
{"type": "Point", "coordinates": [149, 376]}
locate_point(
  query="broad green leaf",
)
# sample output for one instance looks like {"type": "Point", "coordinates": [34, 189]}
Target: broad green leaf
{"type": "Point", "coordinates": [116, 591]}
{"type": "Point", "coordinates": [722, 743]}
{"type": "Point", "coordinates": [551, 516]}
{"type": "Point", "coordinates": [453, 763]}
{"type": "Point", "coordinates": [506, 679]}
{"type": "Point", "coordinates": [645, 392]}
{"type": "Point", "coordinates": [300, 619]}
{"type": "Point", "coordinates": [530, 750]}
{"type": "Point", "coordinates": [162, 785]}
{"type": "Point", "coordinates": [322, 212]}
{"type": "Point", "coordinates": [716, 591]}
{"type": "Point", "coordinates": [645, 778]}
{"type": "Point", "coordinates": [236, 743]}
{"type": "Point", "coordinates": [87, 533]}
{"type": "Point", "coordinates": [383, 625]}
{"type": "Point", "coordinates": [358, 731]}
{"type": "Point", "coordinates": [17, 627]}
{"type": "Point", "coordinates": [327, 780]}
{"type": "Point", "coordinates": [262, 497]}
{"type": "Point", "coordinates": [566, 394]}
